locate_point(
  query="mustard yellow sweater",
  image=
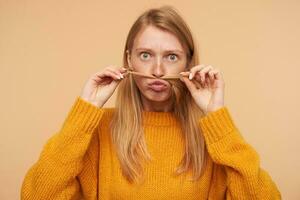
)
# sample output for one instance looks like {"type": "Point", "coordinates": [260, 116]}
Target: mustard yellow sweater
{"type": "Point", "coordinates": [79, 162]}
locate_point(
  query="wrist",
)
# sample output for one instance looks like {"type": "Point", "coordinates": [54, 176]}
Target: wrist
{"type": "Point", "coordinates": [97, 104]}
{"type": "Point", "coordinates": [215, 108]}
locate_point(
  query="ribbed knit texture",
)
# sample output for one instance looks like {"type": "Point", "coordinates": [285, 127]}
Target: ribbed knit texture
{"type": "Point", "coordinates": [80, 162]}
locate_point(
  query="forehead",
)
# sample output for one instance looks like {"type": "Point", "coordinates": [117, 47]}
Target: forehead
{"type": "Point", "coordinates": [155, 38]}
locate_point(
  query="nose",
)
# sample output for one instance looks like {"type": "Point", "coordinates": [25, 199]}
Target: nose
{"type": "Point", "coordinates": [158, 70]}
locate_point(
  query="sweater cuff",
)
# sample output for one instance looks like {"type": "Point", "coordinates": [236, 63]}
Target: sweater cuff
{"type": "Point", "coordinates": [83, 116]}
{"type": "Point", "coordinates": [216, 125]}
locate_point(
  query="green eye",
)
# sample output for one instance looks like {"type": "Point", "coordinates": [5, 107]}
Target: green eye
{"type": "Point", "coordinates": [144, 55]}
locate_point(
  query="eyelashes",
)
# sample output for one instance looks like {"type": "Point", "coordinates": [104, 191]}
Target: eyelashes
{"type": "Point", "coordinates": [175, 56]}
{"type": "Point", "coordinates": [143, 53]}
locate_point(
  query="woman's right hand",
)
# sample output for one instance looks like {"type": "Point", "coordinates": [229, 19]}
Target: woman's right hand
{"type": "Point", "coordinates": [101, 85]}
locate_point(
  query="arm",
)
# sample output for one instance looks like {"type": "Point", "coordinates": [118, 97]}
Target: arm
{"type": "Point", "coordinates": [245, 178]}
{"type": "Point", "coordinates": [54, 175]}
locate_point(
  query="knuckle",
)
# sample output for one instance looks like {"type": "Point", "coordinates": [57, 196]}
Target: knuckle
{"type": "Point", "coordinates": [193, 69]}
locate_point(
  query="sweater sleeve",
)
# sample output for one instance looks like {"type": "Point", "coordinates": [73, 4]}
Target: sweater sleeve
{"type": "Point", "coordinates": [245, 179]}
{"type": "Point", "coordinates": [54, 175]}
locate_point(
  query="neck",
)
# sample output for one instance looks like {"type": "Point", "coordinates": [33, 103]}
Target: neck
{"type": "Point", "coordinates": [155, 106]}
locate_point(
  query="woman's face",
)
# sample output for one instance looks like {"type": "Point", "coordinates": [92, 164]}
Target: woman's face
{"type": "Point", "coordinates": [158, 53]}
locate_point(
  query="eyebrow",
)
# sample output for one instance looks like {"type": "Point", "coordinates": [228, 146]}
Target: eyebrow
{"type": "Point", "coordinates": [168, 51]}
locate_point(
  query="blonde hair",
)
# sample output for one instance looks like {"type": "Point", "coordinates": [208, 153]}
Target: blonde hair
{"type": "Point", "coordinates": [126, 125]}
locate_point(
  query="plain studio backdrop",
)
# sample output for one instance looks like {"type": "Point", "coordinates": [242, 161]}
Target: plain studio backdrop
{"type": "Point", "coordinates": [48, 49]}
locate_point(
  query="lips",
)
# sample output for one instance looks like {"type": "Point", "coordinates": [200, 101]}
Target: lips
{"type": "Point", "coordinates": [158, 86]}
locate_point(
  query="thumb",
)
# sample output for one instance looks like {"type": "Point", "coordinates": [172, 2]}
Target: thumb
{"type": "Point", "coordinates": [189, 84]}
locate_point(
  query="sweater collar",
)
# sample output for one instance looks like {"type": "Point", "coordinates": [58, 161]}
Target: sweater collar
{"type": "Point", "coordinates": [159, 118]}
{"type": "Point", "coordinates": [153, 118]}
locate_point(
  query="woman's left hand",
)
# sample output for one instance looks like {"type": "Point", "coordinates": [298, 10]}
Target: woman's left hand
{"type": "Point", "coordinates": [206, 85]}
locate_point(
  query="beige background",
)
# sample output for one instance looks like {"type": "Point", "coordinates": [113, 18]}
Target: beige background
{"type": "Point", "coordinates": [49, 48]}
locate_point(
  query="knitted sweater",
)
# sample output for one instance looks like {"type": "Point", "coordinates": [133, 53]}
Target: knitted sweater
{"type": "Point", "coordinates": [79, 161]}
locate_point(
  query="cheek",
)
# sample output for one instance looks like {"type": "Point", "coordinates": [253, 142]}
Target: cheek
{"type": "Point", "coordinates": [143, 67]}
{"type": "Point", "coordinates": [140, 66]}
{"type": "Point", "coordinates": [140, 82]}
{"type": "Point", "coordinates": [181, 66]}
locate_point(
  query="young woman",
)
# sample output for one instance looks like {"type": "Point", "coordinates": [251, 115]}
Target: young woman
{"type": "Point", "coordinates": [170, 136]}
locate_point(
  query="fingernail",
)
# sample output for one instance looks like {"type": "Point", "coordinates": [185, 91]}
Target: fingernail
{"type": "Point", "coordinates": [190, 76]}
{"type": "Point", "coordinates": [121, 75]}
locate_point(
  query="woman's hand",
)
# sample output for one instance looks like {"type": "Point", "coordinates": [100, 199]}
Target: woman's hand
{"type": "Point", "coordinates": [101, 85]}
{"type": "Point", "coordinates": [206, 85]}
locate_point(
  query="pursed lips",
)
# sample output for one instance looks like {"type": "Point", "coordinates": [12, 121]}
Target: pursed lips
{"type": "Point", "coordinates": [157, 86]}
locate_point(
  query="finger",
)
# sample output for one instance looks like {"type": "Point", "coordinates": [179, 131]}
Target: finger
{"type": "Point", "coordinates": [123, 69]}
{"type": "Point", "coordinates": [197, 77]}
{"type": "Point", "coordinates": [218, 75]}
{"type": "Point", "coordinates": [204, 71]}
{"type": "Point", "coordinates": [194, 70]}
{"type": "Point", "coordinates": [184, 73]}
{"type": "Point", "coordinates": [212, 73]}
{"type": "Point", "coordinates": [192, 88]}
{"type": "Point", "coordinates": [115, 71]}
{"type": "Point", "coordinates": [197, 84]}
{"type": "Point", "coordinates": [107, 74]}
{"type": "Point", "coordinates": [208, 82]}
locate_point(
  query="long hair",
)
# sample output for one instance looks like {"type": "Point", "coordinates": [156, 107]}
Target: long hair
{"type": "Point", "coordinates": [126, 126]}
